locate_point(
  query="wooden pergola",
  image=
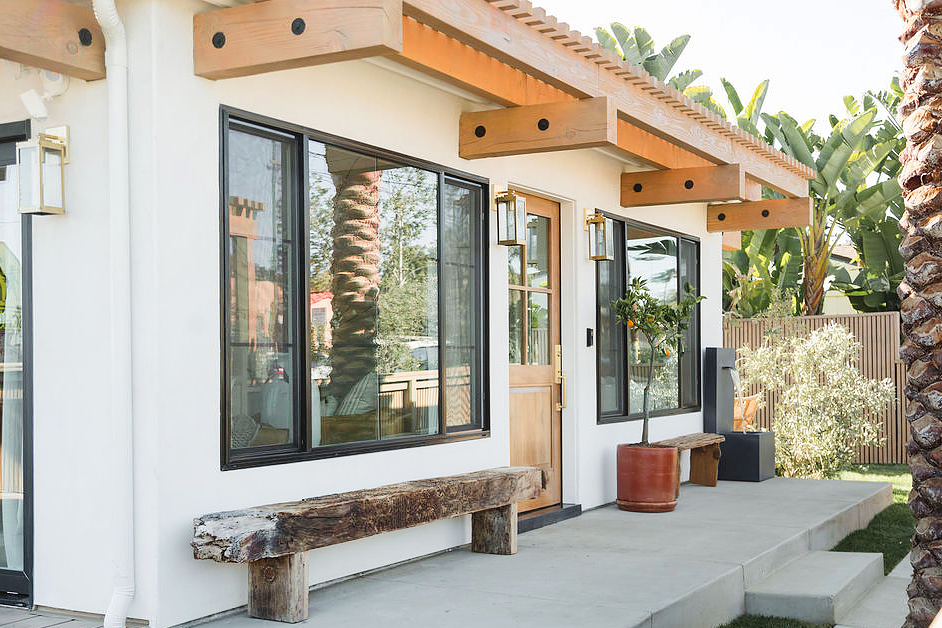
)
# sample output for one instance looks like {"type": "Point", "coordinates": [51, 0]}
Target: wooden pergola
{"type": "Point", "coordinates": [559, 90]}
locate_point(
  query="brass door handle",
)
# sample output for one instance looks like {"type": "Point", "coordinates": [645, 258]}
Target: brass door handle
{"type": "Point", "coordinates": [562, 393]}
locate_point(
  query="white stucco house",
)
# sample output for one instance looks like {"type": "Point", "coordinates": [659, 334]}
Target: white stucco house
{"type": "Point", "coordinates": [277, 272]}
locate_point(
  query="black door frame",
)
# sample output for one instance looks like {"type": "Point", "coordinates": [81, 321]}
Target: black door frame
{"type": "Point", "coordinates": [16, 587]}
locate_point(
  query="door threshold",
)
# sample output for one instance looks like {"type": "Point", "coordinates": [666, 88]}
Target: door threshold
{"type": "Point", "coordinates": [547, 516]}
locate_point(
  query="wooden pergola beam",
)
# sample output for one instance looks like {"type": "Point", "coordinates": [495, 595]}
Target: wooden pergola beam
{"type": "Point", "coordinates": [537, 128]}
{"type": "Point", "coordinates": [283, 34]}
{"type": "Point", "coordinates": [53, 35]}
{"type": "Point", "coordinates": [706, 184]}
{"type": "Point", "coordinates": [525, 47]}
{"type": "Point", "coordinates": [774, 214]}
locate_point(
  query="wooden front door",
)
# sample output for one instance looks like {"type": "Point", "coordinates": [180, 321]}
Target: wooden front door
{"type": "Point", "coordinates": [534, 349]}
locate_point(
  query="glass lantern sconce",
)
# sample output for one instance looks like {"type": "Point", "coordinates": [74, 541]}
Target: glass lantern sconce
{"type": "Point", "coordinates": [41, 172]}
{"type": "Point", "coordinates": [599, 229]}
{"type": "Point", "coordinates": [511, 218]}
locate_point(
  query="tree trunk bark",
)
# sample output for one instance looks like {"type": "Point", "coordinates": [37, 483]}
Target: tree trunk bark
{"type": "Point", "coordinates": [354, 279]}
{"type": "Point", "coordinates": [921, 311]}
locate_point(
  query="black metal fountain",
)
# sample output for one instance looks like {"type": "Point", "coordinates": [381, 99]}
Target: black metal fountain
{"type": "Point", "coordinates": [746, 456]}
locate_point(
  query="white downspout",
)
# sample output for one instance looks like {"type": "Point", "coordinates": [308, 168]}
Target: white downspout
{"type": "Point", "coordinates": [121, 511]}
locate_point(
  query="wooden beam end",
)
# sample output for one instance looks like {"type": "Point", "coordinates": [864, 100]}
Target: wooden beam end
{"type": "Point", "coordinates": [683, 185]}
{"type": "Point", "coordinates": [773, 214]}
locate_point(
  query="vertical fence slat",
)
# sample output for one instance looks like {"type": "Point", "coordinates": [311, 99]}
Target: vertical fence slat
{"type": "Point", "coordinates": [878, 335]}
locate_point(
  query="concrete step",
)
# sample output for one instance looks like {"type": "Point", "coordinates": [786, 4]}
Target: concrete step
{"type": "Point", "coordinates": [819, 587]}
{"type": "Point", "coordinates": [883, 606]}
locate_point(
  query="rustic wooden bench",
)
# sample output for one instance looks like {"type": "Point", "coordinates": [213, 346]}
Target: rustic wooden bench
{"type": "Point", "coordinates": [273, 539]}
{"type": "Point", "coordinates": [704, 456]}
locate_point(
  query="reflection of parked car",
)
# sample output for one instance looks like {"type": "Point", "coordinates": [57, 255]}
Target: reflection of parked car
{"type": "Point", "coordinates": [426, 352]}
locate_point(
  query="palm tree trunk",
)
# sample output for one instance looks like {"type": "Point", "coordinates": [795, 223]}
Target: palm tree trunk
{"type": "Point", "coordinates": [921, 312]}
{"type": "Point", "coordinates": [354, 278]}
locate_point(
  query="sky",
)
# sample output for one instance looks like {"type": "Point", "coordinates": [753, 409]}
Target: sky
{"type": "Point", "coordinates": [814, 51]}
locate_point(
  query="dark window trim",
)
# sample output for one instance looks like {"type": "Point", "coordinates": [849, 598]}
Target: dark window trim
{"type": "Point", "coordinates": [300, 450]}
{"type": "Point", "coordinates": [607, 419]}
{"type": "Point", "coordinates": [17, 586]}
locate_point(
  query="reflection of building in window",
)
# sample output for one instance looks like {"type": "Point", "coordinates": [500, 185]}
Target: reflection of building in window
{"type": "Point", "coordinates": [322, 312]}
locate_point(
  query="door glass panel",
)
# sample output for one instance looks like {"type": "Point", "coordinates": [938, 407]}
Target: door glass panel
{"type": "Point", "coordinates": [515, 321]}
{"type": "Point", "coordinates": [538, 251]}
{"type": "Point", "coordinates": [11, 375]}
{"type": "Point", "coordinates": [513, 265]}
{"type": "Point", "coordinates": [538, 342]}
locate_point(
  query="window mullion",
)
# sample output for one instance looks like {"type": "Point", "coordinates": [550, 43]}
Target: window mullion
{"type": "Point", "coordinates": [442, 288]}
{"type": "Point", "coordinates": [303, 310]}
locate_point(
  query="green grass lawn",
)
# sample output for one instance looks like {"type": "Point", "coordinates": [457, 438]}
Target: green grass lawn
{"type": "Point", "coordinates": [888, 533]}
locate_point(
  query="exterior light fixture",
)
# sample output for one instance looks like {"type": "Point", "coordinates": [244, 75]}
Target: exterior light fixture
{"type": "Point", "coordinates": [41, 172]}
{"type": "Point", "coordinates": [511, 218]}
{"type": "Point", "coordinates": [600, 230]}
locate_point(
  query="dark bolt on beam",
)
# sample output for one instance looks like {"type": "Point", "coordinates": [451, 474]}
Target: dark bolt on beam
{"type": "Point", "coordinates": [765, 213]}
{"type": "Point", "coordinates": [638, 187]}
{"type": "Point", "coordinates": [688, 184]}
{"type": "Point", "coordinates": [298, 26]}
{"type": "Point", "coordinates": [85, 37]}
{"type": "Point", "coordinates": [543, 124]}
{"type": "Point", "coordinates": [219, 40]}
{"type": "Point", "coordinates": [479, 131]}
{"type": "Point", "coordinates": [721, 217]}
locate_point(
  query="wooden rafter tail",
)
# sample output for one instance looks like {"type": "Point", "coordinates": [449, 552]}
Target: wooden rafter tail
{"type": "Point", "coordinates": [773, 214]}
{"type": "Point", "coordinates": [537, 128]}
{"type": "Point", "coordinates": [683, 185]}
{"type": "Point", "coordinates": [53, 35]}
{"type": "Point", "coordinates": [283, 34]}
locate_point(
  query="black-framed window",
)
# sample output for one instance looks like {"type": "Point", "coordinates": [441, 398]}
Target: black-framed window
{"type": "Point", "coordinates": [668, 261]}
{"type": "Point", "coordinates": [364, 269]}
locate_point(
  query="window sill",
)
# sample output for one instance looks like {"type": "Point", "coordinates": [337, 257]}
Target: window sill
{"type": "Point", "coordinates": [606, 420]}
{"type": "Point", "coordinates": [348, 449]}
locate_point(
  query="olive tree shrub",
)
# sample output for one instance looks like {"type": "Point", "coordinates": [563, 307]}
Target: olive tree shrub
{"type": "Point", "coordinates": [827, 408]}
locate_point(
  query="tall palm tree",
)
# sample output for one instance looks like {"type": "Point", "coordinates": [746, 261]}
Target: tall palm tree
{"type": "Point", "coordinates": [921, 314]}
{"type": "Point", "coordinates": [354, 277]}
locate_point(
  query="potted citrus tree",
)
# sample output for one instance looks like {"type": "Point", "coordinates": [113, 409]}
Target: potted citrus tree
{"type": "Point", "coordinates": [648, 475]}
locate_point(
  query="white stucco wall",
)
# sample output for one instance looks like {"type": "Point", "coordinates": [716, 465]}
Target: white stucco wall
{"type": "Point", "coordinates": [175, 266]}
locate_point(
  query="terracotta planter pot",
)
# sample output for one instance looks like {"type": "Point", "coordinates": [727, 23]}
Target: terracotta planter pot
{"type": "Point", "coordinates": [647, 478]}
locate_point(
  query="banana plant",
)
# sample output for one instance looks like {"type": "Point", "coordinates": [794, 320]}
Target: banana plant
{"type": "Point", "coordinates": [636, 46]}
{"type": "Point", "coordinates": [766, 269]}
{"type": "Point", "coordinates": [871, 220]}
{"type": "Point", "coordinates": [847, 161]}
{"type": "Point", "coordinates": [748, 115]}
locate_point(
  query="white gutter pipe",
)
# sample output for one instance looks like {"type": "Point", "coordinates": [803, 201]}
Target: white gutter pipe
{"type": "Point", "coordinates": [121, 512]}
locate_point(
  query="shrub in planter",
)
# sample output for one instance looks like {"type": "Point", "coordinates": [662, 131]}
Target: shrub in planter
{"type": "Point", "coordinates": [647, 476]}
{"type": "Point", "coordinates": [827, 408]}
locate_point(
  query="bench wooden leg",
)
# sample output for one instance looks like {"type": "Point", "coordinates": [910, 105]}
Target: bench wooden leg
{"type": "Point", "coordinates": [705, 465]}
{"type": "Point", "coordinates": [278, 588]}
{"type": "Point", "coordinates": [494, 531]}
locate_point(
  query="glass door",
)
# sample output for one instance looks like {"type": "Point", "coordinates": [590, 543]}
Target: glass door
{"type": "Point", "coordinates": [15, 371]}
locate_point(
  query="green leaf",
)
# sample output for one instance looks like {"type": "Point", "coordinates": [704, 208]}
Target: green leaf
{"type": "Point", "coordinates": [754, 108]}
{"type": "Point", "coordinates": [797, 141]}
{"type": "Point", "coordinates": [685, 79]}
{"type": "Point", "coordinates": [851, 104]}
{"type": "Point", "coordinates": [644, 42]}
{"type": "Point", "coordinates": [606, 40]}
{"type": "Point", "coordinates": [733, 96]}
{"type": "Point", "coordinates": [875, 254]}
{"type": "Point", "coordinates": [661, 64]}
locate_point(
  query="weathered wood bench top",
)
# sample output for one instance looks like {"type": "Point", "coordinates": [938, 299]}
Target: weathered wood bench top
{"type": "Point", "coordinates": [252, 534]}
{"type": "Point", "coordinates": [691, 441]}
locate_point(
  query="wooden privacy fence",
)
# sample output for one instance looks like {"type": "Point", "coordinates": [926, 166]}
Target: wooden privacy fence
{"type": "Point", "coordinates": [879, 337]}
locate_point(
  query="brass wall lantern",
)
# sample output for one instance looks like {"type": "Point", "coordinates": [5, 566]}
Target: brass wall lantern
{"type": "Point", "coordinates": [511, 218]}
{"type": "Point", "coordinates": [41, 165]}
{"type": "Point", "coordinates": [600, 231]}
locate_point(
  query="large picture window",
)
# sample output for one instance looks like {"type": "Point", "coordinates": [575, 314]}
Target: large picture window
{"type": "Point", "coordinates": [668, 262]}
{"type": "Point", "coordinates": [354, 297]}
